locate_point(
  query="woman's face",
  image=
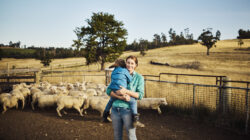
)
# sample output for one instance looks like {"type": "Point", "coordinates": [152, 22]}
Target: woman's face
{"type": "Point", "coordinates": [131, 65]}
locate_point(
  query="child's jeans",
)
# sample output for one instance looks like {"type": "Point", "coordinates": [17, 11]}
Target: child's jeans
{"type": "Point", "coordinates": [132, 104]}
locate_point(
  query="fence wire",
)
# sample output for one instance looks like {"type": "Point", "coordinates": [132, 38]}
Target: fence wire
{"type": "Point", "coordinates": [228, 106]}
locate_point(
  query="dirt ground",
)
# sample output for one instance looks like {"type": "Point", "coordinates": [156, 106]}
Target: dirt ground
{"type": "Point", "coordinates": [45, 124]}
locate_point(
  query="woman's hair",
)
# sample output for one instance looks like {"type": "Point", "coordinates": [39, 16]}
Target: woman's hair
{"type": "Point", "coordinates": [119, 63]}
{"type": "Point", "coordinates": [133, 58]}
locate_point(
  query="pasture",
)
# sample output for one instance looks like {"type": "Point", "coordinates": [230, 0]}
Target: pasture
{"type": "Point", "coordinates": [46, 125]}
{"type": "Point", "coordinates": [227, 59]}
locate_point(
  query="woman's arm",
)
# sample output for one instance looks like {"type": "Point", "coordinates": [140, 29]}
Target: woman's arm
{"type": "Point", "coordinates": [121, 97]}
{"type": "Point", "coordinates": [124, 91]}
{"type": "Point", "coordinates": [139, 91]}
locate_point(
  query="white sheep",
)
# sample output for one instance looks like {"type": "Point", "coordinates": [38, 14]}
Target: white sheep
{"type": "Point", "coordinates": [34, 90]}
{"type": "Point", "coordinates": [8, 101]}
{"type": "Point", "coordinates": [47, 100]}
{"type": "Point", "coordinates": [91, 92]}
{"type": "Point", "coordinates": [71, 102]}
{"type": "Point", "coordinates": [19, 95]}
{"type": "Point", "coordinates": [151, 103]}
{"type": "Point", "coordinates": [98, 103]}
{"type": "Point", "coordinates": [35, 97]}
{"type": "Point", "coordinates": [76, 93]}
{"type": "Point", "coordinates": [101, 87]}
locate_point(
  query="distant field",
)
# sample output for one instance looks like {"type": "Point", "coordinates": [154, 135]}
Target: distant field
{"type": "Point", "coordinates": [226, 59]}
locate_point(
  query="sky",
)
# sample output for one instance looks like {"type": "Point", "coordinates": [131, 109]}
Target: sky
{"type": "Point", "coordinates": [51, 23]}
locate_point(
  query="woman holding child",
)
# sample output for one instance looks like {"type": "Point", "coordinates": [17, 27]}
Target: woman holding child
{"type": "Point", "coordinates": [124, 108]}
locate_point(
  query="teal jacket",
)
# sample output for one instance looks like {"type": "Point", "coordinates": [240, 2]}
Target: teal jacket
{"type": "Point", "coordinates": [136, 85]}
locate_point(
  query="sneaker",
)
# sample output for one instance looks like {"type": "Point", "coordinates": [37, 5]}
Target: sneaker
{"type": "Point", "coordinates": [105, 117]}
{"type": "Point", "coordinates": [135, 119]}
{"type": "Point", "coordinates": [139, 124]}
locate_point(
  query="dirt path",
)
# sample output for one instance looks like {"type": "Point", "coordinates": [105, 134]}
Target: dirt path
{"type": "Point", "coordinates": [45, 124]}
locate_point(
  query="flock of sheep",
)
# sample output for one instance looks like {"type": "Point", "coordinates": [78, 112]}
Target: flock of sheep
{"type": "Point", "coordinates": [79, 95]}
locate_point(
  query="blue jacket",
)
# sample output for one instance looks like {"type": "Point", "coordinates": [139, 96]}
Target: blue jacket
{"type": "Point", "coordinates": [120, 77]}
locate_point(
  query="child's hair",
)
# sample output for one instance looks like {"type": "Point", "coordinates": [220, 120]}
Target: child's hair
{"type": "Point", "coordinates": [119, 63]}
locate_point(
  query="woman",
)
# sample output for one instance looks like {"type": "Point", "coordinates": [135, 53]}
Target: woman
{"type": "Point", "coordinates": [121, 113]}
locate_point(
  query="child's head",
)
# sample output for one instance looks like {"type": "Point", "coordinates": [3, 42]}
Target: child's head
{"type": "Point", "coordinates": [119, 63]}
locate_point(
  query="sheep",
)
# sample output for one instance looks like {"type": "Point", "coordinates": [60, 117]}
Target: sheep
{"type": "Point", "coordinates": [3, 95]}
{"type": "Point", "coordinates": [35, 97]}
{"type": "Point", "coordinates": [34, 90]}
{"type": "Point", "coordinates": [71, 102]}
{"type": "Point", "coordinates": [44, 86]}
{"type": "Point", "coordinates": [152, 103]}
{"type": "Point", "coordinates": [101, 87]}
{"type": "Point", "coordinates": [48, 100]}
{"type": "Point", "coordinates": [98, 103]}
{"type": "Point", "coordinates": [91, 92]}
{"type": "Point", "coordinates": [76, 93]}
{"type": "Point", "coordinates": [8, 101]}
{"type": "Point", "coordinates": [90, 85]}
{"type": "Point", "coordinates": [16, 92]}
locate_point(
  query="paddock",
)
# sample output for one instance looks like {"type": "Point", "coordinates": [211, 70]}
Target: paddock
{"type": "Point", "coordinates": [45, 124]}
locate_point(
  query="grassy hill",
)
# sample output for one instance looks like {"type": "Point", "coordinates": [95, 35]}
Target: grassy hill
{"type": "Point", "coordinates": [226, 59]}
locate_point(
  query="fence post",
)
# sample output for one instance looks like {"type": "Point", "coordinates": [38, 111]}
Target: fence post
{"type": "Point", "coordinates": [247, 112]}
{"type": "Point", "coordinates": [37, 77]}
{"type": "Point", "coordinates": [63, 74]}
{"type": "Point", "coordinates": [145, 88]}
{"type": "Point", "coordinates": [193, 106]}
{"type": "Point", "coordinates": [226, 94]}
{"type": "Point", "coordinates": [8, 70]}
{"type": "Point", "coordinates": [107, 76]}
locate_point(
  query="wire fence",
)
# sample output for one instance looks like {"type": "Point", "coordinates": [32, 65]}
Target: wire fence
{"type": "Point", "coordinates": [56, 76]}
{"type": "Point", "coordinates": [221, 103]}
{"type": "Point", "coordinates": [224, 106]}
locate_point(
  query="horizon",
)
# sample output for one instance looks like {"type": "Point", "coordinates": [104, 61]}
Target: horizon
{"type": "Point", "coordinates": [51, 23]}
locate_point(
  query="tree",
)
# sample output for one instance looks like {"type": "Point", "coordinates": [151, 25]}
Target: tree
{"type": "Point", "coordinates": [208, 40]}
{"type": "Point", "coordinates": [243, 34]}
{"type": "Point", "coordinates": [1, 54]}
{"type": "Point", "coordinates": [157, 40]}
{"type": "Point", "coordinates": [143, 46]}
{"type": "Point", "coordinates": [240, 42]}
{"type": "Point", "coordinates": [164, 39]}
{"type": "Point", "coordinates": [172, 36]}
{"type": "Point", "coordinates": [103, 38]}
{"type": "Point", "coordinates": [77, 43]}
{"type": "Point", "coordinates": [44, 56]}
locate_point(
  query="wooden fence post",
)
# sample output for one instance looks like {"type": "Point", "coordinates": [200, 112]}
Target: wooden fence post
{"type": "Point", "coordinates": [107, 76]}
{"type": "Point", "coordinates": [226, 94]}
{"type": "Point", "coordinates": [8, 70]}
{"type": "Point", "coordinates": [37, 77]}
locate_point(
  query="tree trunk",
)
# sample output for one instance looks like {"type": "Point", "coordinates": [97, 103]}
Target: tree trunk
{"type": "Point", "coordinates": [207, 51]}
{"type": "Point", "coordinates": [102, 65]}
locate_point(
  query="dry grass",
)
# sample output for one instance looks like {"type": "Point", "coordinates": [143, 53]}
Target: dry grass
{"type": "Point", "coordinates": [223, 60]}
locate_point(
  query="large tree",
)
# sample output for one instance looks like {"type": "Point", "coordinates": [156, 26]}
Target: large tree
{"type": "Point", "coordinates": [103, 38]}
{"type": "Point", "coordinates": [207, 39]}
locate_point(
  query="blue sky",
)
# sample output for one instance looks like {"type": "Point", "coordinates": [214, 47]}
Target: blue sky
{"type": "Point", "coordinates": [51, 22]}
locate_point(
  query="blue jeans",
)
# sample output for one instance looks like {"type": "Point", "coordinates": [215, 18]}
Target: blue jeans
{"type": "Point", "coordinates": [132, 103]}
{"type": "Point", "coordinates": [122, 117]}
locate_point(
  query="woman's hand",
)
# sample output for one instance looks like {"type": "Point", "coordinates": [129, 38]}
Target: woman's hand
{"type": "Point", "coordinates": [127, 98]}
{"type": "Point", "coordinates": [123, 91]}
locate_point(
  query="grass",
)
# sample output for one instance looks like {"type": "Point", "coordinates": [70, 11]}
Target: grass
{"type": "Point", "coordinates": [226, 59]}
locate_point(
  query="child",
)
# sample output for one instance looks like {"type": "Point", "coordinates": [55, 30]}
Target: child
{"type": "Point", "coordinates": [120, 77]}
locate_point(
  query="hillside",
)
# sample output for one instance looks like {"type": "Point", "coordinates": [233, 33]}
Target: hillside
{"type": "Point", "coordinates": [226, 59]}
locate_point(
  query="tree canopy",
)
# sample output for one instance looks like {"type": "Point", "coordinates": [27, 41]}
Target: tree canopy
{"type": "Point", "coordinates": [207, 39]}
{"type": "Point", "coordinates": [103, 39]}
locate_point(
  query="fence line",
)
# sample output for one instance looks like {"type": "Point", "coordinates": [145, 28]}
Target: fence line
{"type": "Point", "coordinates": [220, 99]}
{"type": "Point", "coordinates": [230, 102]}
